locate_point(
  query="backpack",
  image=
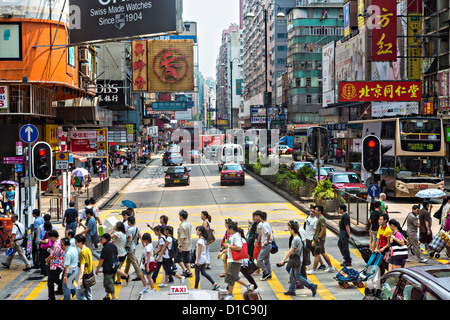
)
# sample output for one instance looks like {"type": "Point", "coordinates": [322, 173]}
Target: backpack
{"type": "Point", "coordinates": [173, 252]}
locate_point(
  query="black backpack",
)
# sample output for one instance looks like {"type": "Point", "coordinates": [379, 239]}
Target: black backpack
{"type": "Point", "coordinates": [173, 252]}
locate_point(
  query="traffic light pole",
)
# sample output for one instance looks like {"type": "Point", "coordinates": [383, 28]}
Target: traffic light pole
{"type": "Point", "coordinates": [318, 154]}
{"type": "Point", "coordinates": [30, 167]}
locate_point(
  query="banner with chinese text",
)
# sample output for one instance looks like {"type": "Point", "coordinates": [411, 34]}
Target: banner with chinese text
{"type": "Point", "coordinates": [140, 65]}
{"type": "Point", "coordinates": [384, 32]}
{"type": "Point", "coordinates": [380, 91]}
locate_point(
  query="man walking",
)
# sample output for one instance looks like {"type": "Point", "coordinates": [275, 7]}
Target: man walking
{"type": "Point", "coordinates": [133, 236]}
{"type": "Point", "coordinates": [425, 235]}
{"type": "Point", "coordinates": [319, 242]}
{"type": "Point", "coordinates": [70, 219]}
{"type": "Point", "coordinates": [373, 221]}
{"type": "Point", "coordinates": [412, 225]}
{"type": "Point", "coordinates": [90, 229]}
{"type": "Point", "coordinates": [17, 238]}
{"type": "Point", "coordinates": [86, 267]}
{"type": "Point", "coordinates": [344, 235]}
{"type": "Point", "coordinates": [184, 244]}
{"type": "Point", "coordinates": [109, 261]}
{"type": "Point", "coordinates": [70, 268]}
{"type": "Point", "coordinates": [38, 221]}
{"type": "Point", "coordinates": [56, 262]}
{"type": "Point", "coordinates": [265, 237]}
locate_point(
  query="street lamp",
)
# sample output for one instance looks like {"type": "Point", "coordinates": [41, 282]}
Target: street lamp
{"type": "Point", "coordinates": [250, 16]}
{"type": "Point", "coordinates": [231, 89]}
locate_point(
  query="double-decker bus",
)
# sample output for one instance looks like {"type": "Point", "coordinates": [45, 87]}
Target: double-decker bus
{"type": "Point", "coordinates": [412, 153]}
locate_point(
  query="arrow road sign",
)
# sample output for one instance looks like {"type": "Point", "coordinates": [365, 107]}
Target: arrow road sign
{"type": "Point", "coordinates": [374, 191]}
{"type": "Point", "coordinates": [29, 133]}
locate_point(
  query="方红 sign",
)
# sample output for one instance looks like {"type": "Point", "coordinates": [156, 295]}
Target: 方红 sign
{"type": "Point", "coordinates": [384, 31]}
{"type": "Point", "coordinates": [380, 91]}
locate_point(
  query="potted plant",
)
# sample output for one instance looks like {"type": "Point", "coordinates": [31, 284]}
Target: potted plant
{"type": "Point", "coordinates": [324, 195]}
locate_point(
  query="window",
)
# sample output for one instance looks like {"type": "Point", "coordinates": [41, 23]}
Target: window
{"type": "Point", "coordinates": [71, 56]}
{"type": "Point", "coordinates": [10, 41]}
{"type": "Point", "coordinates": [308, 99]}
{"type": "Point", "coordinates": [281, 48]}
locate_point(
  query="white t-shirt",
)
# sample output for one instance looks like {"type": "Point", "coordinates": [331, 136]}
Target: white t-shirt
{"type": "Point", "coordinates": [166, 253]}
{"type": "Point", "coordinates": [161, 242]}
{"type": "Point", "coordinates": [148, 248]}
{"type": "Point", "coordinates": [202, 259]}
{"type": "Point", "coordinates": [310, 227]}
{"type": "Point", "coordinates": [235, 240]}
{"type": "Point", "coordinates": [263, 229]}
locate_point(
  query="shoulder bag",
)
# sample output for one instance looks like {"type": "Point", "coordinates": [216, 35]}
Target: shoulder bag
{"type": "Point", "coordinates": [241, 254]}
{"type": "Point", "coordinates": [294, 261]}
{"type": "Point", "coordinates": [89, 279]}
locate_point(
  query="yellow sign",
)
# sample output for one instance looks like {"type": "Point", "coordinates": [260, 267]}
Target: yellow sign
{"type": "Point", "coordinates": [51, 136]}
{"type": "Point", "coordinates": [414, 46]}
{"type": "Point", "coordinates": [361, 20]}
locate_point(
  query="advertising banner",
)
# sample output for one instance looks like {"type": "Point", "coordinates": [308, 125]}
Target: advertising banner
{"type": "Point", "coordinates": [347, 19]}
{"type": "Point", "coordinates": [414, 46]}
{"type": "Point", "coordinates": [139, 64]}
{"type": "Point", "coordinates": [171, 65]}
{"type": "Point", "coordinates": [84, 142]}
{"type": "Point", "coordinates": [4, 97]}
{"type": "Point", "coordinates": [328, 73]}
{"type": "Point", "coordinates": [102, 20]}
{"type": "Point", "coordinates": [384, 32]}
{"type": "Point", "coordinates": [380, 91]}
{"type": "Point", "coordinates": [392, 109]}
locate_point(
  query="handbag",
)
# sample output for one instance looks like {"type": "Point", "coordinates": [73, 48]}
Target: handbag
{"type": "Point", "coordinates": [210, 236]}
{"type": "Point", "coordinates": [274, 247]}
{"type": "Point", "coordinates": [241, 254]}
{"type": "Point", "coordinates": [152, 266]}
{"type": "Point", "coordinates": [89, 280]}
{"type": "Point", "coordinates": [294, 261]}
{"type": "Point", "coordinates": [257, 250]}
{"type": "Point", "coordinates": [447, 224]}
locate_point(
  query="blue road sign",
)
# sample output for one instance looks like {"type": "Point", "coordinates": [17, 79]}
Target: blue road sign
{"type": "Point", "coordinates": [29, 133]}
{"type": "Point", "coordinates": [374, 191]}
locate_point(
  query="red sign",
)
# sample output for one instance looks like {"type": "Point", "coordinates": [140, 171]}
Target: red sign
{"type": "Point", "coordinates": [384, 32]}
{"type": "Point", "coordinates": [380, 91]}
{"type": "Point", "coordinates": [173, 64]}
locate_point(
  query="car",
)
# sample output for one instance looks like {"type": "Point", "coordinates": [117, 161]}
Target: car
{"type": "Point", "coordinates": [298, 164]}
{"type": "Point", "coordinates": [232, 173]}
{"type": "Point", "coordinates": [172, 157]}
{"type": "Point", "coordinates": [355, 167]}
{"type": "Point", "coordinates": [323, 173]}
{"type": "Point", "coordinates": [348, 182]}
{"type": "Point", "coordinates": [430, 282]}
{"type": "Point", "coordinates": [283, 149]}
{"type": "Point", "coordinates": [195, 156]}
{"type": "Point", "coordinates": [177, 175]}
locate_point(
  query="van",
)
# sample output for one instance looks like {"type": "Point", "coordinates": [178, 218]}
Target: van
{"type": "Point", "coordinates": [230, 153]}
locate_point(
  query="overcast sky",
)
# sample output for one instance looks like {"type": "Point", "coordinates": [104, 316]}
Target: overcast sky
{"type": "Point", "coordinates": [212, 17]}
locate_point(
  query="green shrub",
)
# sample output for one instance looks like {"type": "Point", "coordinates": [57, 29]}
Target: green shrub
{"type": "Point", "coordinates": [305, 172]}
{"type": "Point", "coordinates": [324, 190]}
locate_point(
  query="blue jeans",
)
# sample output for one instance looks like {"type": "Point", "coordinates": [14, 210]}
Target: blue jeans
{"type": "Point", "coordinates": [264, 258]}
{"type": "Point", "coordinates": [295, 274]}
{"type": "Point", "coordinates": [69, 288]}
{"type": "Point", "coordinates": [84, 293]}
{"type": "Point", "coordinates": [72, 225]}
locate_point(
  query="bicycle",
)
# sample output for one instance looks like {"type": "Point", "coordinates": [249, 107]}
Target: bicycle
{"type": "Point", "coordinates": [5, 237]}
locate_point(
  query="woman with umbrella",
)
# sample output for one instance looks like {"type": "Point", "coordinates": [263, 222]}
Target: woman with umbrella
{"type": "Point", "coordinates": [78, 175]}
{"type": "Point", "coordinates": [130, 207]}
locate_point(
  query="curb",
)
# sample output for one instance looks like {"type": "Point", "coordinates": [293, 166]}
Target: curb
{"type": "Point", "coordinates": [362, 241]}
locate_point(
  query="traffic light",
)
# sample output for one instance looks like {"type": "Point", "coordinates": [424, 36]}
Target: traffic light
{"type": "Point", "coordinates": [371, 153]}
{"type": "Point", "coordinates": [42, 161]}
{"type": "Point", "coordinates": [313, 134]}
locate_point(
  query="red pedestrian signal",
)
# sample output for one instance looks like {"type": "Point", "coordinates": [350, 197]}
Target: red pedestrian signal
{"type": "Point", "coordinates": [371, 153]}
{"type": "Point", "coordinates": [42, 161]}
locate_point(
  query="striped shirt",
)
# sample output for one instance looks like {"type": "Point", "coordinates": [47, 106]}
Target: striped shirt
{"type": "Point", "coordinates": [397, 249]}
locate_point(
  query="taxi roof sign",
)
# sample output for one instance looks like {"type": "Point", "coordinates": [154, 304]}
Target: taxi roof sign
{"type": "Point", "coordinates": [178, 290]}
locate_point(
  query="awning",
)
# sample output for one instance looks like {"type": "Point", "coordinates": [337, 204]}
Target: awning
{"type": "Point", "coordinates": [80, 158]}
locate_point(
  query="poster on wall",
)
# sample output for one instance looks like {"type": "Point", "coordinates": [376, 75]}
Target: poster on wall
{"type": "Point", "coordinates": [4, 97]}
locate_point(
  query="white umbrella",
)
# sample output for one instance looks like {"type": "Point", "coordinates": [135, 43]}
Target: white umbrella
{"type": "Point", "coordinates": [80, 172]}
{"type": "Point", "coordinates": [430, 193]}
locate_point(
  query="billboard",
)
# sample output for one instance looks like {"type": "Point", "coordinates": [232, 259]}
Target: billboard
{"type": "Point", "coordinates": [393, 109]}
{"type": "Point", "coordinates": [384, 31]}
{"type": "Point", "coordinates": [347, 19]}
{"type": "Point", "coordinates": [328, 73]}
{"type": "Point", "coordinates": [380, 91]}
{"type": "Point", "coordinates": [103, 20]}
{"type": "Point", "coordinates": [170, 65]}
{"type": "Point", "coordinates": [139, 65]}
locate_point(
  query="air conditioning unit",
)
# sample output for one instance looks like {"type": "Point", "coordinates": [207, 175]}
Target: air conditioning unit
{"type": "Point", "coordinates": [84, 54]}
{"type": "Point", "coordinates": [85, 72]}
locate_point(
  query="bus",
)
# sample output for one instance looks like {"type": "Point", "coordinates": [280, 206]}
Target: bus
{"type": "Point", "coordinates": [412, 151]}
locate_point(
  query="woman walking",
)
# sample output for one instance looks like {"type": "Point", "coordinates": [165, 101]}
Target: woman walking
{"type": "Point", "coordinates": [399, 249]}
{"type": "Point", "coordinates": [201, 260]}
{"type": "Point", "coordinates": [119, 239]}
{"type": "Point", "coordinates": [206, 218]}
{"type": "Point", "coordinates": [295, 253]}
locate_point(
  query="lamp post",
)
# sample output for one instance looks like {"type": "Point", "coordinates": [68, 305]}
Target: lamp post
{"type": "Point", "coordinates": [231, 88]}
{"type": "Point", "coordinates": [251, 16]}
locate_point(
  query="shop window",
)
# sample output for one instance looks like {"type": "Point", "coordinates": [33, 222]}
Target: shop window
{"type": "Point", "coordinates": [10, 41]}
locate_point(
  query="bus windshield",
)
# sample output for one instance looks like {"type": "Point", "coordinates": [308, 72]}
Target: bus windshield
{"type": "Point", "coordinates": [420, 129]}
{"type": "Point", "coordinates": [414, 167]}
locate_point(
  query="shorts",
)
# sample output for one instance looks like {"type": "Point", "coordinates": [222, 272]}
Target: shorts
{"type": "Point", "coordinates": [319, 247]}
{"type": "Point", "coordinates": [183, 256]}
{"type": "Point", "coordinates": [398, 260]}
{"type": "Point", "coordinates": [144, 271]}
{"type": "Point", "coordinates": [425, 238]}
{"type": "Point", "coordinates": [108, 283]}
{"type": "Point", "coordinates": [232, 274]}
{"type": "Point", "coordinates": [123, 258]}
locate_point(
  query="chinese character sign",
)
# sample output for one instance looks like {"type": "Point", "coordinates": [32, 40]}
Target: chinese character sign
{"type": "Point", "coordinates": [380, 91]}
{"type": "Point", "coordinates": [384, 30]}
{"type": "Point", "coordinates": [139, 65]}
{"type": "Point", "coordinates": [171, 65]}
{"type": "Point", "coordinates": [239, 87]}
{"type": "Point", "coordinates": [4, 97]}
